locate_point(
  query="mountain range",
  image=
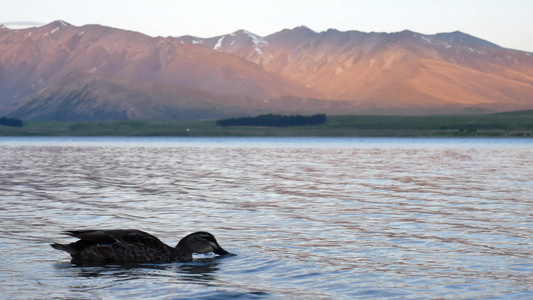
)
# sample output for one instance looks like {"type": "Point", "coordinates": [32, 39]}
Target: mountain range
{"type": "Point", "coordinates": [63, 72]}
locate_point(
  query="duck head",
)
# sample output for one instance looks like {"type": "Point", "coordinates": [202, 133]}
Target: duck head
{"type": "Point", "coordinates": [201, 242]}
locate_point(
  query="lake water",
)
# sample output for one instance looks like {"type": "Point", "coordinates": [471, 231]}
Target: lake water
{"type": "Point", "coordinates": [306, 218]}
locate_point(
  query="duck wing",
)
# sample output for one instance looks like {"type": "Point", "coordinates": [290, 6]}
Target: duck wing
{"type": "Point", "coordinates": [124, 236]}
{"type": "Point", "coordinates": [117, 246]}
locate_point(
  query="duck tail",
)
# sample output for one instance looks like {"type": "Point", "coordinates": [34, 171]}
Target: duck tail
{"type": "Point", "coordinates": [63, 247]}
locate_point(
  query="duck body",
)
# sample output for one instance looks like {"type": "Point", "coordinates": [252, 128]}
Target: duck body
{"type": "Point", "coordinates": [135, 246]}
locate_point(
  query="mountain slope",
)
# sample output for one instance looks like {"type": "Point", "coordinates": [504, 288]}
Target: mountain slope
{"type": "Point", "coordinates": [403, 69]}
{"type": "Point", "coordinates": [89, 97]}
{"type": "Point", "coordinates": [34, 58]}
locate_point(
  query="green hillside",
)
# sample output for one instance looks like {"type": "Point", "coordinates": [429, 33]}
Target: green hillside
{"type": "Point", "coordinates": [502, 124]}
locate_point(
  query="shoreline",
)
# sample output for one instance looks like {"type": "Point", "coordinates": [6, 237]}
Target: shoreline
{"type": "Point", "coordinates": [497, 125]}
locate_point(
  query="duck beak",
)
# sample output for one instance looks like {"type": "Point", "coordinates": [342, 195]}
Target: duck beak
{"type": "Point", "coordinates": [220, 251]}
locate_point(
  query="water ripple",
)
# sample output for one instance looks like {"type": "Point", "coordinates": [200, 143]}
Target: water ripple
{"type": "Point", "coordinates": [320, 218]}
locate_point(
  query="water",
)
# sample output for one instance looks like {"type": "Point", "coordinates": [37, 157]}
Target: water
{"type": "Point", "coordinates": [314, 218]}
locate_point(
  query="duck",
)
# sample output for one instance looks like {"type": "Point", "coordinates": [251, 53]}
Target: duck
{"type": "Point", "coordinates": [135, 246]}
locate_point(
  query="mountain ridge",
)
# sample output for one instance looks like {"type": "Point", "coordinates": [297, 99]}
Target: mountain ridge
{"type": "Point", "coordinates": [292, 70]}
{"type": "Point", "coordinates": [358, 62]}
{"type": "Point", "coordinates": [34, 58]}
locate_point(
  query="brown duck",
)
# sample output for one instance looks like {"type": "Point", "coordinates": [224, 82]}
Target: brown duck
{"type": "Point", "coordinates": [135, 246]}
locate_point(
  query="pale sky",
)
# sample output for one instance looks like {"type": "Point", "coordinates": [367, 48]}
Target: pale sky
{"type": "Point", "coordinates": [508, 23]}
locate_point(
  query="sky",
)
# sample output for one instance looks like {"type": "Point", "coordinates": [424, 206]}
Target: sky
{"type": "Point", "coordinates": [508, 23]}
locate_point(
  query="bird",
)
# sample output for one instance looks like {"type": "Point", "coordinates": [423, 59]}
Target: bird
{"type": "Point", "coordinates": [135, 246]}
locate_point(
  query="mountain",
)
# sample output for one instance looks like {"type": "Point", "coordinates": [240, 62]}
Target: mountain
{"type": "Point", "coordinates": [63, 72]}
{"type": "Point", "coordinates": [88, 96]}
{"type": "Point", "coordinates": [391, 70]}
{"type": "Point", "coordinates": [81, 96]}
{"type": "Point", "coordinates": [34, 58]}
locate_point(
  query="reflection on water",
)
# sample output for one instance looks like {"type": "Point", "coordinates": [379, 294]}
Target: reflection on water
{"type": "Point", "coordinates": [199, 271]}
{"type": "Point", "coordinates": [114, 278]}
{"type": "Point", "coordinates": [321, 218]}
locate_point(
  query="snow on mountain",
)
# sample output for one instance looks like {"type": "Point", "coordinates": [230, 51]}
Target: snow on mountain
{"type": "Point", "coordinates": [240, 38]}
{"type": "Point", "coordinates": [219, 43]}
{"type": "Point", "coordinates": [258, 41]}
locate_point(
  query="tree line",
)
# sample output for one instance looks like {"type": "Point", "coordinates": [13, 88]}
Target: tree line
{"type": "Point", "coordinates": [271, 120]}
{"type": "Point", "coordinates": [10, 122]}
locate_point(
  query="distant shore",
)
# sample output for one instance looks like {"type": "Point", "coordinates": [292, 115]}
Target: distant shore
{"type": "Point", "coordinates": [516, 124]}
